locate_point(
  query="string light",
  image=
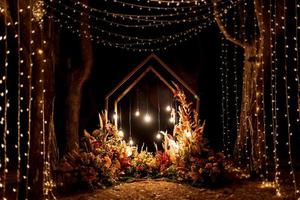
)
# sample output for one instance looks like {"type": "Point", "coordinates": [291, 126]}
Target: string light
{"type": "Point", "coordinates": [296, 71]}
{"type": "Point", "coordinates": [226, 85]}
{"type": "Point", "coordinates": [235, 85]}
{"type": "Point", "coordinates": [273, 50]}
{"type": "Point", "coordinates": [72, 20]}
{"type": "Point", "coordinates": [19, 98]}
{"type": "Point", "coordinates": [287, 96]}
{"type": "Point", "coordinates": [260, 145]}
{"type": "Point", "coordinates": [246, 96]}
{"type": "Point", "coordinates": [29, 77]}
{"type": "Point", "coordinates": [264, 139]}
{"type": "Point", "coordinates": [155, 22]}
{"type": "Point", "coordinates": [223, 96]}
{"type": "Point", "coordinates": [142, 7]}
{"type": "Point", "coordinates": [127, 46]}
{"type": "Point", "coordinates": [6, 104]}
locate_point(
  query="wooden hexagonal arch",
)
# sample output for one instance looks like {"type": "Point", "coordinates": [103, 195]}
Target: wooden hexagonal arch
{"type": "Point", "coordinates": [139, 73]}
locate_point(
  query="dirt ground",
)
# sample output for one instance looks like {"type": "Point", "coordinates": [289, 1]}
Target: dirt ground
{"type": "Point", "coordinates": [160, 189]}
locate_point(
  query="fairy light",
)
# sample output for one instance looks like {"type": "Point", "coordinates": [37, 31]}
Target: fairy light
{"type": "Point", "coordinates": [155, 22]}
{"type": "Point", "coordinates": [226, 85]}
{"type": "Point", "coordinates": [19, 97]}
{"type": "Point", "coordinates": [273, 50]}
{"type": "Point", "coordinates": [287, 96]}
{"type": "Point", "coordinates": [245, 126]}
{"type": "Point", "coordinates": [29, 77]}
{"type": "Point", "coordinates": [152, 20]}
{"type": "Point", "coordinates": [68, 19]}
{"type": "Point", "coordinates": [296, 59]}
{"type": "Point", "coordinates": [5, 107]}
{"type": "Point", "coordinates": [127, 46]}
{"type": "Point", "coordinates": [263, 109]}
{"type": "Point", "coordinates": [258, 96]}
{"type": "Point", "coordinates": [223, 94]}
{"type": "Point", "coordinates": [235, 85]}
{"type": "Point", "coordinates": [296, 70]}
{"type": "Point", "coordinates": [143, 7]}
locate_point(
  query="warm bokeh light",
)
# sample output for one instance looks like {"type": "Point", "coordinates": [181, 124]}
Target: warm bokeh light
{"type": "Point", "coordinates": [115, 116]}
{"type": "Point", "coordinates": [121, 133]}
{"type": "Point", "coordinates": [40, 51]}
{"type": "Point", "coordinates": [131, 142]}
{"type": "Point", "coordinates": [137, 113]}
{"type": "Point", "coordinates": [168, 108]}
{"type": "Point", "coordinates": [172, 120]}
{"type": "Point", "coordinates": [147, 118]}
{"type": "Point", "coordinates": [158, 136]}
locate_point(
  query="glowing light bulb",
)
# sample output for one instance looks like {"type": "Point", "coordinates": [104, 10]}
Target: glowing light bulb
{"type": "Point", "coordinates": [172, 120]}
{"type": "Point", "coordinates": [168, 108]}
{"type": "Point", "coordinates": [40, 51]}
{"type": "Point", "coordinates": [137, 113]}
{"type": "Point", "coordinates": [158, 136]}
{"type": "Point", "coordinates": [131, 142]}
{"type": "Point", "coordinates": [121, 133]}
{"type": "Point", "coordinates": [147, 118]}
{"type": "Point", "coordinates": [115, 116]}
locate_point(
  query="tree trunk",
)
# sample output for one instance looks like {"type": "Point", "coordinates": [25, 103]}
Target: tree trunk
{"type": "Point", "coordinates": [75, 81]}
{"type": "Point", "coordinates": [250, 142]}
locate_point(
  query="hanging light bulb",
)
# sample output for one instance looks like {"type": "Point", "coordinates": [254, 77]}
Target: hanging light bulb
{"type": "Point", "coordinates": [115, 116]}
{"type": "Point", "coordinates": [158, 136]}
{"type": "Point", "coordinates": [121, 133]}
{"type": "Point", "coordinates": [147, 118]}
{"type": "Point", "coordinates": [172, 120]}
{"type": "Point", "coordinates": [131, 142]}
{"type": "Point", "coordinates": [168, 108]}
{"type": "Point", "coordinates": [137, 113]}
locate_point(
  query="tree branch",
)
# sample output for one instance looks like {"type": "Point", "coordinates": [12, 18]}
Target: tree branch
{"type": "Point", "coordinates": [223, 29]}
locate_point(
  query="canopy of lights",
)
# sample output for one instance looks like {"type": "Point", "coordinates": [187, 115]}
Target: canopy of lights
{"type": "Point", "coordinates": [261, 117]}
